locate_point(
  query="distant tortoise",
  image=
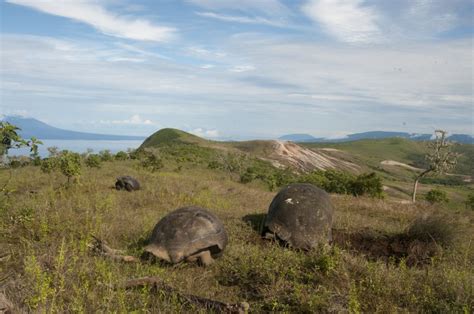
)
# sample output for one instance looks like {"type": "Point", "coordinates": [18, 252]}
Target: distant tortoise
{"type": "Point", "coordinates": [128, 183]}
{"type": "Point", "coordinates": [188, 233]}
{"type": "Point", "coordinates": [301, 215]}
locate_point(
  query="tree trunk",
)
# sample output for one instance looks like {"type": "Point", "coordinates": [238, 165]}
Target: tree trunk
{"type": "Point", "coordinates": [415, 186]}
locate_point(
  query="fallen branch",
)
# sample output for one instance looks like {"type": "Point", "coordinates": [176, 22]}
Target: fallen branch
{"type": "Point", "coordinates": [208, 304]}
{"type": "Point", "coordinates": [101, 248]}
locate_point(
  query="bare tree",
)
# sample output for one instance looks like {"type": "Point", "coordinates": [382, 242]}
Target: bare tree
{"type": "Point", "coordinates": [440, 158]}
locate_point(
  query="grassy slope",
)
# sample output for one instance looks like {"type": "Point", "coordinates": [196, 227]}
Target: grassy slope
{"type": "Point", "coordinates": [373, 152]}
{"type": "Point", "coordinates": [169, 136]}
{"type": "Point", "coordinates": [46, 228]}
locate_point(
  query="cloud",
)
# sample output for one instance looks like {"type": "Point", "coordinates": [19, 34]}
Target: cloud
{"type": "Point", "coordinates": [241, 19]}
{"type": "Point", "coordinates": [133, 120]}
{"type": "Point", "coordinates": [91, 13]}
{"type": "Point", "coordinates": [322, 86]}
{"type": "Point", "coordinates": [347, 20]}
{"type": "Point", "coordinates": [268, 7]}
{"type": "Point", "coordinates": [201, 132]}
{"type": "Point", "coordinates": [242, 68]}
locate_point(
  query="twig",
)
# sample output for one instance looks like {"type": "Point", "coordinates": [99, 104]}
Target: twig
{"type": "Point", "coordinates": [208, 304]}
{"type": "Point", "coordinates": [101, 248]}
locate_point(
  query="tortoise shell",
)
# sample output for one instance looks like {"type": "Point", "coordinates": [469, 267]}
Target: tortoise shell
{"type": "Point", "coordinates": [301, 215]}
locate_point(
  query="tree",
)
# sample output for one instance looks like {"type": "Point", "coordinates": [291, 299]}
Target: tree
{"type": "Point", "coordinates": [440, 158]}
{"type": "Point", "coordinates": [70, 164]}
{"type": "Point", "coordinates": [33, 144]}
{"type": "Point", "coordinates": [9, 138]}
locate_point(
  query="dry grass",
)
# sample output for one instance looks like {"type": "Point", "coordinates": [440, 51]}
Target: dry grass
{"type": "Point", "coordinates": [46, 264]}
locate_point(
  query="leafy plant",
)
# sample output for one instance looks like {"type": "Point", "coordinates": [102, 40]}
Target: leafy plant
{"type": "Point", "coordinates": [151, 161]}
{"type": "Point", "coordinates": [33, 144]}
{"type": "Point", "coordinates": [470, 201]}
{"type": "Point", "coordinates": [70, 164]}
{"type": "Point", "coordinates": [121, 155]}
{"type": "Point", "coordinates": [436, 196]}
{"type": "Point", "coordinates": [368, 183]}
{"type": "Point", "coordinates": [93, 161]}
{"type": "Point", "coordinates": [106, 155]}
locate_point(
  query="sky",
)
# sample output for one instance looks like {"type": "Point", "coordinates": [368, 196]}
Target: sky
{"type": "Point", "coordinates": [239, 69]}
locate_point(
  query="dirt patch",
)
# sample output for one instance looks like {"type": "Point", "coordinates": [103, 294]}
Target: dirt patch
{"type": "Point", "coordinates": [400, 164]}
{"type": "Point", "coordinates": [306, 159]}
{"type": "Point", "coordinates": [378, 246]}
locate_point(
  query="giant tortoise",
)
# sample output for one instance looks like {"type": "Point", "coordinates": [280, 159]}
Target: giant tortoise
{"type": "Point", "coordinates": [127, 183]}
{"type": "Point", "coordinates": [188, 233]}
{"type": "Point", "coordinates": [301, 216]}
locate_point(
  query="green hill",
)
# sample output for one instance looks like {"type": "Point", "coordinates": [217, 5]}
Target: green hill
{"type": "Point", "coordinates": [170, 136]}
{"type": "Point", "coordinates": [374, 151]}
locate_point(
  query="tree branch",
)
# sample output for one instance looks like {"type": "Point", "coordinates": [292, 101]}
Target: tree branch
{"type": "Point", "coordinates": [208, 304]}
{"type": "Point", "coordinates": [101, 248]}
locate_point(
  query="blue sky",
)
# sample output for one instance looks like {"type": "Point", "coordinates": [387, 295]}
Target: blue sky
{"type": "Point", "coordinates": [239, 69]}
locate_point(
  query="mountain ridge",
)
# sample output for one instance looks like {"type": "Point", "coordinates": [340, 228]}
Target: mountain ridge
{"type": "Point", "coordinates": [307, 138]}
{"type": "Point", "coordinates": [32, 127]}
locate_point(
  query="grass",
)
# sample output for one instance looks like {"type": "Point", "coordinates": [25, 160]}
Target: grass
{"type": "Point", "coordinates": [46, 265]}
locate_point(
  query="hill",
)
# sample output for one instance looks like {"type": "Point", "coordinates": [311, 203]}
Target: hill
{"type": "Point", "coordinates": [280, 154]}
{"type": "Point", "coordinates": [300, 138]}
{"type": "Point", "coordinates": [32, 127]}
{"type": "Point", "coordinates": [171, 136]}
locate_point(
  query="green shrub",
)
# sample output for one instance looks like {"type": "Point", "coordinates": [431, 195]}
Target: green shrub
{"type": "Point", "coordinates": [121, 155]}
{"type": "Point", "coordinates": [70, 164]}
{"type": "Point", "coordinates": [93, 161]}
{"type": "Point", "coordinates": [436, 196]}
{"type": "Point", "coordinates": [106, 155]}
{"type": "Point", "coordinates": [367, 183]}
{"type": "Point", "coordinates": [49, 164]}
{"type": "Point", "coordinates": [470, 201]}
{"type": "Point", "coordinates": [151, 161]}
{"type": "Point", "coordinates": [339, 182]}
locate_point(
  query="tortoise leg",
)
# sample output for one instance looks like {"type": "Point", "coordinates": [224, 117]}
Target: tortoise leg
{"type": "Point", "coordinates": [206, 258]}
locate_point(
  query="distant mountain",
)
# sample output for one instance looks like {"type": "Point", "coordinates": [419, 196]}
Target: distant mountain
{"type": "Point", "coordinates": [300, 138]}
{"type": "Point", "coordinates": [33, 127]}
{"type": "Point", "coordinates": [306, 138]}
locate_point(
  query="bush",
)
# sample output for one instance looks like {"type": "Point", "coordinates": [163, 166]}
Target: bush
{"type": "Point", "coordinates": [49, 164]}
{"type": "Point", "coordinates": [67, 162]}
{"type": "Point", "coordinates": [106, 155]}
{"type": "Point", "coordinates": [436, 196]}
{"type": "Point", "coordinates": [121, 156]}
{"type": "Point", "coordinates": [151, 161]}
{"type": "Point", "coordinates": [93, 161]}
{"type": "Point", "coordinates": [470, 201]}
{"type": "Point", "coordinates": [369, 184]}
{"type": "Point", "coordinates": [70, 164]}
{"type": "Point", "coordinates": [334, 181]}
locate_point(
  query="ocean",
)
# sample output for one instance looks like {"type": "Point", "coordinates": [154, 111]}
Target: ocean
{"type": "Point", "coordinates": [79, 146]}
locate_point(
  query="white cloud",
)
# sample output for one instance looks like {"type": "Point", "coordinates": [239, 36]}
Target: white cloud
{"type": "Point", "coordinates": [90, 12]}
{"type": "Point", "coordinates": [352, 87]}
{"type": "Point", "coordinates": [133, 120]}
{"type": "Point", "coordinates": [203, 52]}
{"type": "Point", "coordinates": [242, 68]}
{"type": "Point", "coordinates": [347, 20]}
{"type": "Point", "coordinates": [269, 7]}
{"type": "Point", "coordinates": [201, 132]}
{"type": "Point", "coordinates": [241, 19]}
{"type": "Point", "coordinates": [207, 66]}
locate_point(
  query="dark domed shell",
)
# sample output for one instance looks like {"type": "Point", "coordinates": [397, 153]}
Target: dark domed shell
{"type": "Point", "coordinates": [127, 183]}
{"type": "Point", "coordinates": [301, 215]}
{"type": "Point", "coordinates": [186, 232]}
